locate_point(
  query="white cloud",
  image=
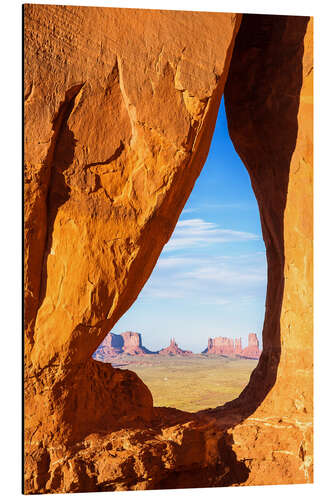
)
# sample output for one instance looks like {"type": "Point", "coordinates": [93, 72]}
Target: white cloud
{"type": "Point", "coordinates": [216, 301]}
{"type": "Point", "coordinates": [190, 210]}
{"type": "Point", "coordinates": [198, 273]}
{"type": "Point", "coordinates": [160, 291]}
{"type": "Point", "coordinates": [211, 279]}
{"type": "Point", "coordinates": [226, 275]}
{"type": "Point", "coordinates": [220, 206]}
{"type": "Point", "coordinates": [176, 262]}
{"type": "Point", "coordinates": [199, 233]}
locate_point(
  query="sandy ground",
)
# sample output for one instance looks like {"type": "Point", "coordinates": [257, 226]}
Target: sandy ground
{"type": "Point", "coordinates": [193, 383]}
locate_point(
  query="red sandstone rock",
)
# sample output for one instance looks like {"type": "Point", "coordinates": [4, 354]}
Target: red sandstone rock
{"type": "Point", "coordinates": [174, 350]}
{"type": "Point", "coordinates": [225, 346]}
{"type": "Point", "coordinates": [117, 129]}
{"type": "Point", "coordinates": [111, 347]}
{"type": "Point", "coordinates": [133, 344]}
{"type": "Point", "coordinates": [269, 106]}
{"type": "Point", "coordinates": [114, 345]}
{"type": "Point", "coordinates": [252, 351]}
{"type": "Point", "coordinates": [120, 107]}
{"type": "Point", "coordinates": [221, 345]}
{"type": "Point", "coordinates": [238, 346]}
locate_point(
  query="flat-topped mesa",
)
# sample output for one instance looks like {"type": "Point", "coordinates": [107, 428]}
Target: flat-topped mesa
{"type": "Point", "coordinates": [221, 345]}
{"type": "Point", "coordinates": [132, 343]}
{"type": "Point", "coordinates": [174, 350]}
{"type": "Point", "coordinates": [111, 347]}
{"type": "Point", "coordinates": [252, 350]}
{"type": "Point", "coordinates": [225, 346]}
{"type": "Point", "coordinates": [115, 345]}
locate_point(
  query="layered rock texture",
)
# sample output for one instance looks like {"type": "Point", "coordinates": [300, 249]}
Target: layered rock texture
{"type": "Point", "coordinates": [120, 107]}
{"type": "Point", "coordinates": [226, 346]}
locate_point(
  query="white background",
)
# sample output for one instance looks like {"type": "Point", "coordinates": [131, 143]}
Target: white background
{"type": "Point", "coordinates": [11, 250]}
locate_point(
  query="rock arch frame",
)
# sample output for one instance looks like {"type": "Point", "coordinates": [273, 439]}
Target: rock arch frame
{"type": "Point", "coordinates": [113, 146]}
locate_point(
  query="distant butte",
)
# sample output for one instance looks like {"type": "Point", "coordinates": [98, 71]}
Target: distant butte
{"type": "Point", "coordinates": [130, 343]}
{"type": "Point", "coordinates": [114, 345]}
{"type": "Point", "coordinates": [252, 350]}
{"type": "Point", "coordinates": [225, 346]}
{"type": "Point", "coordinates": [174, 350]}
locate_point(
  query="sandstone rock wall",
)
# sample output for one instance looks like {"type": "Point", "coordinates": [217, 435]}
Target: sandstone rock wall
{"type": "Point", "coordinates": [111, 346]}
{"type": "Point", "coordinates": [111, 155]}
{"type": "Point", "coordinates": [270, 123]}
{"type": "Point", "coordinates": [120, 107]}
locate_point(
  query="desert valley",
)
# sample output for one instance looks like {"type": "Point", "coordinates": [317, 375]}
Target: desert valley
{"type": "Point", "coordinates": [180, 378]}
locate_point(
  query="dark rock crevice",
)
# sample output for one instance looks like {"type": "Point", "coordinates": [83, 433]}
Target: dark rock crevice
{"type": "Point", "coordinates": [60, 156]}
{"type": "Point", "coordinates": [262, 114]}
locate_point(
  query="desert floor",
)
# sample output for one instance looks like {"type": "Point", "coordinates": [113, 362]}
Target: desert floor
{"type": "Point", "coordinates": [193, 383]}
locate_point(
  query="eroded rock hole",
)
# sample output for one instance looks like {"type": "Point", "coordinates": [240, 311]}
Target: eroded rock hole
{"type": "Point", "coordinates": [194, 335]}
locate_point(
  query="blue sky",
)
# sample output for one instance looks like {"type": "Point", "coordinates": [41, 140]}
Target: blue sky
{"type": "Point", "coordinates": [210, 279]}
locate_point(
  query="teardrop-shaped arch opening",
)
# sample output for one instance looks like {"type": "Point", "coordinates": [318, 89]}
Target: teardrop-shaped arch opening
{"type": "Point", "coordinates": [194, 333]}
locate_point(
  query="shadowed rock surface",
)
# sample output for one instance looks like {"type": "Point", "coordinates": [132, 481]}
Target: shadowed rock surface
{"type": "Point", "coordinates": [120, 108]}
{"type": "Point", "coordinates": [270, 120]}
{"type": "Point", "coordinates": [115, 345]}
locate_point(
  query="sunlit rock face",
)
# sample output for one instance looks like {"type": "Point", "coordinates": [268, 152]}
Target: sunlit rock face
{"type": "Point", "coordinates": [252, 350]}
{"type": "Point", "coordinates": [221, 345]}
{"type": "Point", "coordinates": [120, 107]}
{"type": "Point", "coordinates": [226, 346]}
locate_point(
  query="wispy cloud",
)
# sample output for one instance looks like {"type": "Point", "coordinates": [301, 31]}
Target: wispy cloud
{"type": "Point", "coordinates": [173, 263]}
{"type": "Point", "coordinates": [226, 275]}
{"type": "Point", "coordinates": [216, 301]}
{"type": "Point", "coordinates": [200, 233]}
{"type": "Point", "coordinates": [219, 206]}
{"type": "Point", "coordinates": [190, 210]}
{"type": "Point", "coordinates": [211, 279]}
{"type": "Point", "coordinates": [191, 267]}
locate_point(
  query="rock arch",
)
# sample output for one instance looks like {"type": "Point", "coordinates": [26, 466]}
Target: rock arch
{"type": "Point", "coordinates": [139, 132]}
